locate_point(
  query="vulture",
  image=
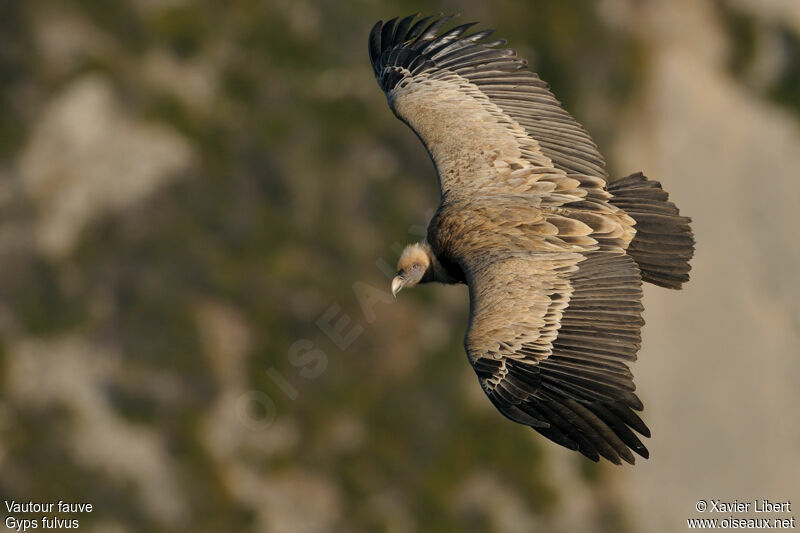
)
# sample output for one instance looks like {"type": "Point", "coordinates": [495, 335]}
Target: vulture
{"type": "Point", "coordinates": [553, 252]}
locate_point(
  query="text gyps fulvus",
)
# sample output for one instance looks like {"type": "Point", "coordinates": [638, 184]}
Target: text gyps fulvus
{"type": "Point", "coordinates": [553, 253]}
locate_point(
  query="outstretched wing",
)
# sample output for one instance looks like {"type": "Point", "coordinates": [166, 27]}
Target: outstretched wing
{"type": "Point", "coordinates": [549, 337]}
{"type": "Point", "coordinates": [488, 123]}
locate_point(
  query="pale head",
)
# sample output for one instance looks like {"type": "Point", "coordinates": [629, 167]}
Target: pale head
{"type": "Point", "coordinates": [414, 266]}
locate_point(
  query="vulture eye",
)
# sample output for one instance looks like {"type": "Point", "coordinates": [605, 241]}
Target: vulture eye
{"type": "Point", "coordinates": [416, 266]}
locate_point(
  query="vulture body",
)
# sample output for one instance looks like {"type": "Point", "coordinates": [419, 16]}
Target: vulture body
{"type": "Point", "coordinates": [553, 253]}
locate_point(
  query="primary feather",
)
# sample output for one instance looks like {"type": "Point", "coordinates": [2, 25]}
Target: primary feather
{"type": "Point", "coordinates": [553, 260]}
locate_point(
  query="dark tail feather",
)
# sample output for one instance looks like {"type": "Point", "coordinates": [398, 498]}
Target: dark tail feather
{"type": "Point", "coordinates": [664, 242]}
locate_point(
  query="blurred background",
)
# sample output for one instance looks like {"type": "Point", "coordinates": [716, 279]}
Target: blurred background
{"type": "Point", "coordinates": [198, 205]}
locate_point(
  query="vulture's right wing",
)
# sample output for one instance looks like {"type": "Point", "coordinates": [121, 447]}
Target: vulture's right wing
{"type": "Point", "coordinates": [489, 124]}
{"type": "Point", "coordinates": [549, 337]}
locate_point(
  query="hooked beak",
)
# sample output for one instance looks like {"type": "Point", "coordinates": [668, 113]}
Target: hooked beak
{"type": "Point", "coordinates": [408, 278]}
{"type": "Point", "coordinates": [397, 285]}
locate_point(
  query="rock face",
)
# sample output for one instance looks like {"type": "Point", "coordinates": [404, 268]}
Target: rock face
{"type": "Point", "coordinates": [187, 191]}
{"type": "Point", "coordinates": [70, 374]}
{"type": "Point", "coordinates": [87, 156]}
{"type": "Point", "coordinates": [719, 367]}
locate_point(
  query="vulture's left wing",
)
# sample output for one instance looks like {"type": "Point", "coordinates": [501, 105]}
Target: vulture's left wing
{"type": "Point", "coordinates": [488, 123]}
{"type": "Point", "coordinates": [550, 334]}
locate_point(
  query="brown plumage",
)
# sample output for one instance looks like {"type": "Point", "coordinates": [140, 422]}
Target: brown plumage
{"type": "Point", "coordinates": [554, 255]}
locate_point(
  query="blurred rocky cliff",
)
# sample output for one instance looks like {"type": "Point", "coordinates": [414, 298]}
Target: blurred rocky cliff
{"type": "Point", "coordinates": [198, 205]}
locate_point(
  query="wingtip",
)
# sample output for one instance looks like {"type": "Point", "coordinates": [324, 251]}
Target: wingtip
{"type": "Point", "coordinates": [374, 41]}
{"type": "Point", "coordinates": [626, 455]}
{"type": "Point", "coordinates": [592, 455]}
{"type": "Point", "coordinates": [644, 452]}
{"type": "Point", "coordinates": [613, 458]}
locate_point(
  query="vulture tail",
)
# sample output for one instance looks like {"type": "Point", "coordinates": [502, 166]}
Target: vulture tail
{"type": "Point", "coordinates": [664, 242]}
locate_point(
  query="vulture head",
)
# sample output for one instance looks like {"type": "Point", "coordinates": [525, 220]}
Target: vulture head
{"type": "Point", "coordinates": [414, 266]}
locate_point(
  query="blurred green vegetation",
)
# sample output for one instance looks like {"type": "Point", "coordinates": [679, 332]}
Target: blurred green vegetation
{"type": "Point", "coordinates": [284, 207]}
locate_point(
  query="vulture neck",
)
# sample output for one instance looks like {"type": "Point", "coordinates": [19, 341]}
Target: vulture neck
{"type": "Point", "coordinates": [441, 272]}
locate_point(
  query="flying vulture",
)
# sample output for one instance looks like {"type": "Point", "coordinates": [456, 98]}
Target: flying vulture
{"type": "Point", "coordinates": [554, 254]}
